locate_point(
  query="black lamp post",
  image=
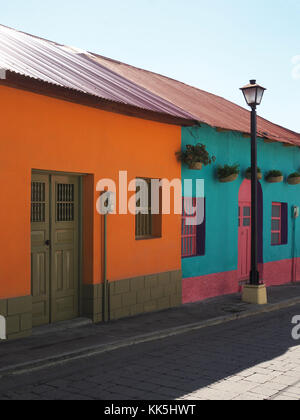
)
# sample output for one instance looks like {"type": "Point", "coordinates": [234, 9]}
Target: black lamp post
{"type": "Point", "coordinates": [253, 94]}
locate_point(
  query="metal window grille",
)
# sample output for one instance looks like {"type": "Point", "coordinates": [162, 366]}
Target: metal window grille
{"type": "Point", "coordinates": [276, 229]}
{"type": "Point", "coordinates": [38, 202]}
{"type": "Point", "coordinates": [188, 232]}
{"type": "Point", "coordinates": [65, 203]}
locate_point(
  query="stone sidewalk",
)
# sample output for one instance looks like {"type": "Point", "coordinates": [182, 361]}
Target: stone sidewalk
{"type": "Point", "coordinates": [55, 344]}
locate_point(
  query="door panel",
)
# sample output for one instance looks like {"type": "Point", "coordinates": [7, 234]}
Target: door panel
{"type": "Point", "coordinates": [54, 248]}
{"type": "Point", "coordinates": [40, 252]}
{"type": "Point", "coordinates": [64, 255]}
{"type": "Point", "coordinates": [244, 241]}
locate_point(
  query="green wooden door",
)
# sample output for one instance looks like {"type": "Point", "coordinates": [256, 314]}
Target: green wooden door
{"type": "Point", "coordinates": [58, 299]}
{"type": "Point", "coordinates": [64, 248]}
{"type": "Point", "coordinates": [40, 249]}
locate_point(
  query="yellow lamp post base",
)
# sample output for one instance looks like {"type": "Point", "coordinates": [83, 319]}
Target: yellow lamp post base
{"type": "Point", "coordinates": [255, 294]}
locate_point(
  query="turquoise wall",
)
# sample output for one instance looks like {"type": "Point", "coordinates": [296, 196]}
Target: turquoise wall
{"type": "Point", "coordinates": [222, 199]}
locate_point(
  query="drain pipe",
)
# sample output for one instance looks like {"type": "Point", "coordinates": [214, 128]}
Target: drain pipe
{"type": "Point", "coordinates": [105, 282]}
{"type": "Point", "coordinates": [294, 249]}
{"type": "Point", "coordinates": [107, 207]}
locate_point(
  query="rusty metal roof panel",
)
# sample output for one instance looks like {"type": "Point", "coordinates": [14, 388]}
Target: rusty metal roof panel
{"type": "Point", "coordinates": [75, 69]}
{"type": "Point", "coordinates": [205, 107]}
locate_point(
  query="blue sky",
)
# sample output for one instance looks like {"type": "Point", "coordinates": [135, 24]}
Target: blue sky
{"type": "Point", "coordinates": [216, 45]}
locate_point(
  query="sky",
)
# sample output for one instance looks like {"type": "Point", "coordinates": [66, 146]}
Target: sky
{"type": "Point", "coordinates": [215, 45]}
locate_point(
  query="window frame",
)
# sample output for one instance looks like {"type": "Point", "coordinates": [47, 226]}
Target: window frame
{"type": "Point", "coordinates": [154, 221]}
{"type": "Point", "coordinates": [188, 232]}
{"type": "Point", "coordinates": [196, 234]}
{"type": "Point", "coordinates": [277, 218]}
{"type": "Point", "coordinates": [242, 217]}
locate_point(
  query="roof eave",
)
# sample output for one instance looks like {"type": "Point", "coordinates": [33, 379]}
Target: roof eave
{"type": "Point", "coordinates": [23, 82]}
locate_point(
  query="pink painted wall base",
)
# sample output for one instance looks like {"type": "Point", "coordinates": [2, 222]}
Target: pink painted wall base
{"type": "Point", "coordinates": [205, 287]}
{"type": "Point", "coordinates": [281, 272]}
{"type": "Point", "coordinates": [273, 274]}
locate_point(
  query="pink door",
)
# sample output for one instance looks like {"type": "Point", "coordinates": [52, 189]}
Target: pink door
{"type": "Point", "coordinates": [244, 251]}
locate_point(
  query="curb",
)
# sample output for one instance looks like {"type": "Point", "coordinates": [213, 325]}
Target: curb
{"type": "Point", "coordinates": [61, 326]}
{"type": "Point", "coordinates": [63, 358]}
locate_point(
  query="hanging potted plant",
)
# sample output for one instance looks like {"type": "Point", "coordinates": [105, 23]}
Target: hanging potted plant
{"type": "Point", "coordinates": [274, 177]}
{"type": "Point", "coordinates": [228, 173]}
{"type": "Point", "coordinates": [248, 173]}
{"type": "Point", "coordinates": [196, 156]}
{"type": "Point", "coordinates": [294, 179]}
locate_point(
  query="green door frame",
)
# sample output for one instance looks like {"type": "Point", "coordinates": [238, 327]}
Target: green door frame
{"type": "Point", "coordinates": [80, 226]}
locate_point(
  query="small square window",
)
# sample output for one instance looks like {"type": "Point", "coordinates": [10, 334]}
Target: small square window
{"type": "Point", "coordinates": [247, 221]}
{"type": "Point", "coordinates": [276, 210]}
{"type": "Point", "coordinates": [38, 202]}
{"type": "Point", "coordinates": [276, 225]}
{"type": "Point", "coordinates": [275, 238]}
{"type": "Point", "coordinates": [247, 211]}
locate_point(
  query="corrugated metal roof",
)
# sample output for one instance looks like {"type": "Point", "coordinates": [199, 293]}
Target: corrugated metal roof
{"type": "Point", "coordinates": [75, 69]}
{"type": "Point", "coordinates": [205, 107]}
{"type": "Point", "coordinates": [119, 82]}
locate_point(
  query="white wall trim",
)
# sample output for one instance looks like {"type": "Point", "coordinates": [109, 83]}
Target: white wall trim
{"type": "Point", "coordinates": [2, 328]}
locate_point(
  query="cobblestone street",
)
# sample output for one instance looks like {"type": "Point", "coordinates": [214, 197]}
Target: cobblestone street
{"type": "Point", "coordinates": [254, 358]}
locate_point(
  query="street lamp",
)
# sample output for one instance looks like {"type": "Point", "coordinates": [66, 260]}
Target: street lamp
{"type": "Point", "coordinates": [253, 94]}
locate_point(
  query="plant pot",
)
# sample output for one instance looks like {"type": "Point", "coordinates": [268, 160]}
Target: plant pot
{"type": "Point", "coordinates": [275, 180]}
{"type": "Point", "coordinates": [294, 180]}
{"type": "Point", "coordinates": [196, 166]}
{"type": "Point", "coordinates": [259, 175]}
{"type": "Point", "coordinates": [229, 178]}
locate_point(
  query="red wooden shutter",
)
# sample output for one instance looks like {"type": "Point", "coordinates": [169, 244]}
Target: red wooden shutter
{"type": "Point", "coordinates": [188, 232]}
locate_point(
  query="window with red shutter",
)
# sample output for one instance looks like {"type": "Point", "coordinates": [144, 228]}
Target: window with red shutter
{"type": "Point", "coordinates": [276, 224]}
{"type": "Point", "coordinates": [192, 236]}
{"type": "Point", "coordinates": [279, 227]}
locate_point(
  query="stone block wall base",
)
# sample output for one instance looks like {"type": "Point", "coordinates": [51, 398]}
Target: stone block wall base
{"type": "Point", "coordinates": [18, 316]}
{"type": "Point", "coordinates": [92, 302]}
{"type": "Point", "coordinates": [255, 294]}
{"type": "Point", "coordinates": [145, 294]}
{"type": "Point", "coordinates": [133, 296]}
{"type": "Point", "coordinates": [127, 298]}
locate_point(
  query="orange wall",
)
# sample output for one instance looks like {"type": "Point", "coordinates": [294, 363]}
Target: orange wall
{"type": "Point", "coordinates": [38, 132]}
